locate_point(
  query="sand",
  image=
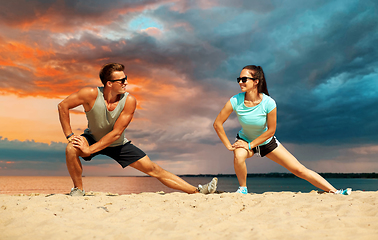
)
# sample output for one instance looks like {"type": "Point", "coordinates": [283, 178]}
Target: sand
{"type": "Point", "coordinates": [278, 215]}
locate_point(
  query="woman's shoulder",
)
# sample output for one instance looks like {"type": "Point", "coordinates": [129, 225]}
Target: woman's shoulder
{"type": "Point", "coordinates": [268, 103]}
{"type": "Point", "coordinates": [268, 98]}
{"type": "Point", "coordinates": [238, 96]}
{"type": "Point", "coordinates": [237, 99]}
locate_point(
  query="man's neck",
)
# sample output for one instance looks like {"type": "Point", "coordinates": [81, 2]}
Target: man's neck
{"type": "Point", "coordinates": [109, 96]}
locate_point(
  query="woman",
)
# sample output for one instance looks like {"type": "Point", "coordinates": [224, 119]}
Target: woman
{"type": "Point", "coordinates": [257, 114]}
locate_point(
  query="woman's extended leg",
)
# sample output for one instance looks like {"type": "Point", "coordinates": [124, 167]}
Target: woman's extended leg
{"type": "Point", "coordinates": [283, 157]}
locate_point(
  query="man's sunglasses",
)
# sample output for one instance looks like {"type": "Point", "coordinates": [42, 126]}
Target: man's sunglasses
{"type": "Point", "coordinates": [245, 79]}
{"type": "Point", "coordinates": [122, 80]}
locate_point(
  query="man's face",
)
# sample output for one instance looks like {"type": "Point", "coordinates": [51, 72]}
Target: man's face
{"type": "Point", "coordinates": [118, 81]}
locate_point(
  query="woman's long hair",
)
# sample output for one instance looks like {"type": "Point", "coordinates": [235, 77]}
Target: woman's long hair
{"type": "Point", "coordinates": [259, 74]}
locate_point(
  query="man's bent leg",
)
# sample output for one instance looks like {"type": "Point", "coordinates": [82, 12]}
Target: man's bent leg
{"type": "Point", "coordinates": [74, 165]}
{"type": "Point", "coordinates": [168, 179]}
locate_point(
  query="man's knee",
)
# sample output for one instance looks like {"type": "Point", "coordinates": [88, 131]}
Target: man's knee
{"type": "Point", "coordinates": [71, 151]}
{"type": "Point", "coordinates": [154, 170]}
{"type": "Point", "coordinates": [147, 166]}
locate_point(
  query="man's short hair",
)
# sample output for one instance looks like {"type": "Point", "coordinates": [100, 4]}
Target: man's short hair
{"type": "Point", "coordinates": [107, 70]}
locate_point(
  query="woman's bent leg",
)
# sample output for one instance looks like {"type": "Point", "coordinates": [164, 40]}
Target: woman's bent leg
{"type": "Point", "coordinates": [240, 155]}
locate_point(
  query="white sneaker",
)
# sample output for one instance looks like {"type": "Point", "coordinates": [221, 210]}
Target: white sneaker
{"type": "Point", "coordinates": [75, 192]}
{"type": "Point", "coordinates": [210, 187]}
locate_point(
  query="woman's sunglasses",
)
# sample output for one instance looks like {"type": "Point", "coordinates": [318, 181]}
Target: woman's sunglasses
{"type": "Point", "coordinates": [245, 79]}
{"type": "Point", "coordinates": [122, 80]}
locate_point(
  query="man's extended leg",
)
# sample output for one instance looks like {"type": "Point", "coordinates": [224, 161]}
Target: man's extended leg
{"type": "Point", "coordinates": [169, 179]}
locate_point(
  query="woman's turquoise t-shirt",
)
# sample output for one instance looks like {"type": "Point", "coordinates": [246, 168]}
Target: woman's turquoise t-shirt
{"type": "Point", "coordinates": [252, 119]}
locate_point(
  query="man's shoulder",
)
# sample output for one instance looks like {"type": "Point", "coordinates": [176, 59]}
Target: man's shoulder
{"type": "Point", "coordinates": [88, 92]}
{"type": "Point", "coordinates": [130, 99]}
{"type": "Point", "coordinates": [129, 96]}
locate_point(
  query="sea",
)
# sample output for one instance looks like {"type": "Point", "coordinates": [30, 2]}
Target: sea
{"type": "Point", "coordinates": [15, 185]}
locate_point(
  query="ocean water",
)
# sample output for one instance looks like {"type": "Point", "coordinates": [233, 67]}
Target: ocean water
{"type": "Point", "coordinates": [127, 185]}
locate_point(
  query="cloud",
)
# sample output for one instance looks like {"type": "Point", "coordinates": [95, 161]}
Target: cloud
{"type": "Point", "coordinates": [17, 151]}
{"type": "Point", "coordinates": [182, 58]}
{"type": "Point", "coordinates": [44, 159]}
{"type": "Point", "coordinates": [67, 16]}
{"type": "Point", "coordinates": [365, 150]}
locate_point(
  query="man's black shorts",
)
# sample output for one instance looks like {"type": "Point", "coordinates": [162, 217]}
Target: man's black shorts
{"type": "Point", "coordinates": [125, 154]}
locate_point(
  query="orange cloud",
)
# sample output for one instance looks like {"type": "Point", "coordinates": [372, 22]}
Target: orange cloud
{"type": "Point", "coordinates": [80, 45]}
{"type": "Point", "coordinates": [21, 50]}
{"type": "Point", "coordinates": [47, 76]}
{"type": "Point", "coordinates": [153, 31]}
{"type": "Point", "coordinates": [7, 162]}
{"type": "Point", "coordinates": [106, 48]}
{"type": "Point", "coordinates": [47, 71]}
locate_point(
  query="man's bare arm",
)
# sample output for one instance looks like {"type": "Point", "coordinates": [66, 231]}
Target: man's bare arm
{"type": "Point", "coordinates": [120, 125]}
{"type": "Point", "coordinates": [83, 97]}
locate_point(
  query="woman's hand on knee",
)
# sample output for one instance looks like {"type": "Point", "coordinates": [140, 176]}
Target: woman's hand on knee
{"type": "Point", "coordinates": [241, 144]}
{"type": "Point", "coordinates": [242, 149]}
{"type": "Point", "coordinates": [231, 148]}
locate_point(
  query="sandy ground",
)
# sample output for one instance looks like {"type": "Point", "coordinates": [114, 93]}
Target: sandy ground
{"type": "Point", "coordinates": [278, 215]}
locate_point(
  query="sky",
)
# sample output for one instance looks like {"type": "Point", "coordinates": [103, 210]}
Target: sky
{"type": "Point", "coordinates": [182, 58]}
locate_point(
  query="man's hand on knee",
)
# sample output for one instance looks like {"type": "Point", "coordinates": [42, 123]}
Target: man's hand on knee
{"type": "Point", "coordinates": [81, 143]}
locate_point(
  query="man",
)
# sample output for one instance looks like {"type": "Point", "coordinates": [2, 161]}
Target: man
{"type": "Point", "coordinates": [109, 110]}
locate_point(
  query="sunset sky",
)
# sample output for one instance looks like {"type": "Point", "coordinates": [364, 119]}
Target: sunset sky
{"type": "Point", "coordinates": [182, 59]}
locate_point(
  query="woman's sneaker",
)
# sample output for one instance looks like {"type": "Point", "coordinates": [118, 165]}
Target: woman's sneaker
{"type": "Point", "coordinates": [75, 192]}
{"type": "Point", "coordinates": [209, 187]}
{"type": "Point", "coordinates": [347, 191]}
{"type": "Point", "coordinates": [242, 190]}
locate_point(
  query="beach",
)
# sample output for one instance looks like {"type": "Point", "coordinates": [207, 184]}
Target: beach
{"type": "Point", "coordinates": [271, 215]}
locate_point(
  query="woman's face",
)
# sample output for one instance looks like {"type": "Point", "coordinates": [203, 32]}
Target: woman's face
{"type": "Point", "coordinates": [250, 83]}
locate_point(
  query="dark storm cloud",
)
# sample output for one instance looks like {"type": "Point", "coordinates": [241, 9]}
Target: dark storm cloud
{"type": "Point", "coordinates": [333, 44]}
{"type": "Point", "coordinates": [340, 61]}
{"type": "Point", "coordinates": [66, 14]}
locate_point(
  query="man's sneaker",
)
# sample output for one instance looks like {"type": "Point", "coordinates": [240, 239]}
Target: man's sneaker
{"type": "Point", "coordinates": [347, 191]}
{"type": "Point", "coordinates": [209, 187]}
{"type": "Point", "coordinates": [75, 192]}
{"type": "Point", "coordinates": [242, 190]}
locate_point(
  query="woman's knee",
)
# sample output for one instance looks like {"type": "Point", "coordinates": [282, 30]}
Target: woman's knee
{"type": "Point", "coordinates": [240, 156]}
{"type": "Point", "coordinates": [300, 172]}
